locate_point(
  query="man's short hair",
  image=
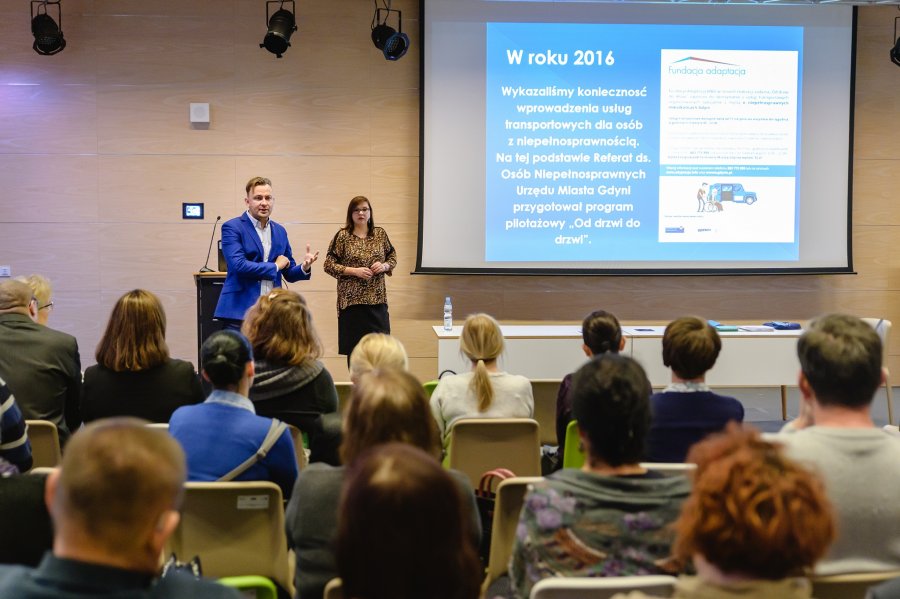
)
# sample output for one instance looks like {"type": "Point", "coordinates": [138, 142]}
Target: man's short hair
{"type": "Point", "coordinates": [690, 347]}
{"type": "Point", "coordinates": [256, 182]}
{"type": "Point", "coordinates": [611, 401]}
{"type": "Point", "coordinates": [601, 332]}
{"type": "Point", "coordinates": [14, 294]}
{"type": "Point", "coordinates": [841, 357]}
{"type": "Point", "coordinates": [118, 476]}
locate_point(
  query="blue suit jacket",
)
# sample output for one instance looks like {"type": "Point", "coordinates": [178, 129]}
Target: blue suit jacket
{"type": "Point", "coordinates": [244, 254]}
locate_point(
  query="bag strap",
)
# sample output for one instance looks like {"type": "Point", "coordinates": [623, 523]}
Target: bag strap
{"type": "Point", "coordinates": [487, 479]}
{"type": "Point", "coordinates": [276, 429]}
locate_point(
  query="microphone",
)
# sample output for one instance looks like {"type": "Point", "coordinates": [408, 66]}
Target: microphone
{"type": "Point", "coordinates": [206, 267]}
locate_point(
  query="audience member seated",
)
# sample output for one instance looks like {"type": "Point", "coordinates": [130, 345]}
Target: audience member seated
{"type": "Point", "coordinates": [377, 350]}
{"type": "Point", "coordinates": [612, 517]}
{"type": "Point", "coordinates": [756, 522]}
{"type": "Point", "coordinates": [40, 365]}
{"type": "Point", "coordinates": [43, 293]}
{"type": "Point", "coordinates": [134, 375]}
{"type": "Point", "coordinates": [687, 411]}
{"type": "Point", "coordinates": [14, 445]}
{"type": "Point", "coordinates": [291, 384]}
{"type": "Point", "coordinates": [27, 530]}
{"type": "Point", "coordinates": [601, 333]}
{"type": "Point", "coordinates": [224, 431]}
{"type": "Point", "coordinates": [113, 503]}
{"type": "Point", "coordinates": [386, 405]}
{"type": "Point", "coordinates": [403, 530]}
{"type": "Point", "coordinates": [486, 392]}
{"type": "Point", "coordinates": [840, 363]}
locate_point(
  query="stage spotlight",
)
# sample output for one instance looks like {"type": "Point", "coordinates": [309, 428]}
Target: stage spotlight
{"type": "Point", "coordinates": [281, 26]}
{"type": "Point", "coordinates": [392, 42]}
{"type": "Point", "coordinates": [895, 51]}
{"type": "Point", "coordinates": [48, 35]}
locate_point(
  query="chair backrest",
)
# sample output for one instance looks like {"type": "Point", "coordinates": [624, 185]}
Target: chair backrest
{"type": "Point", "coordinates": [299, 451]}
{"type": "Point", "coordinates": [334, 589]}
{"type": "Point", "coordinates": [601, 588]}
{"type": "Point", "coordinates": [343, 393]}
{"type": "Point", "coordinates": [429, 387]}
{"type": "Point", "coordinates": [44, 443]}
{"type": "Point", "coordinates": [849, 586]}
{"type": "Point", "coordinates": [254, 587]}
{"type": "Point", "coordinates": [508, 505]}
{"type": "Point", "coordinates": [237, 529]}
{"type": "Point", "coordinates": [573, 457]}
{"type": "Point", "coordinates": [481, 444]}
{"type": "Point", "coordinates": [683, 468]}
{"type": "Point", "coordinates": [545, 391]}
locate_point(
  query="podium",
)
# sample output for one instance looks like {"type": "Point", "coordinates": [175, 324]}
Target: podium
{"type": "Point", "coordinates": [209, 287]}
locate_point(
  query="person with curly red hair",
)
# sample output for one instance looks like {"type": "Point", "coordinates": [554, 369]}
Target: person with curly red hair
{"type": "Point", "coordinates": [755, 523]}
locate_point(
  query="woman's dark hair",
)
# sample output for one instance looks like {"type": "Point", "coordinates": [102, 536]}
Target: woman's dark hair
{"type": "Point", "coordinates": [224, 356]}
{"type": "Point", "coordinates": [601, 332]}
{"type": "Point", "coordinates": [348, 225]}
{"type": "Point", "coordinates": [611, 401]}
{"type": "Point", "coordinates": [403, 531]}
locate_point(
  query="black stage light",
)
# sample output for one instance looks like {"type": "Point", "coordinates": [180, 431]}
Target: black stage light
{"type": "Point", "coordinates": [48, 35]}
{"type": "Point", "coordinates": [392, 42]}
{"type": "Point", "coordinates": [281, 26]}
{"type": "Point", "coordinates": [895, 51]}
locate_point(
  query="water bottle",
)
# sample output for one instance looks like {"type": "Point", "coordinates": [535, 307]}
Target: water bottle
{"type": "Point", "coordinates": [448, 314]}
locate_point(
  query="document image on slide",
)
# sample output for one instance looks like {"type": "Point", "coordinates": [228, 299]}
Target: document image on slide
{"type": "Point", "coordinates": [747, 210]}
{"type": "Point", "coordinates": [728, 146]}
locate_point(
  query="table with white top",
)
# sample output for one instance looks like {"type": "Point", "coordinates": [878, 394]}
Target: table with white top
{"type": "Point", "coordinates": [747, 359]}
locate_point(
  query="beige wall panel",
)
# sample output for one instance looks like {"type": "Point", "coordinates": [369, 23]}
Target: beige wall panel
{"type": "Point", "coordinates": [325, 52]}
{"type": "Point", "coordinates": [152, 188]}
{"type": "Point", "coordinates": [48, 119]}
{"type": "Point", "coordinates": [395, 189]}
{"type": "Point", "coordinates": [156, 256]}
{"type": "Point", "coordinates": [166, 8]}
{"type": "Point", "coordinates": [875, 190]}
{"type": "Point", "coordinates": [21, 65]}
{"type": "Point", "coordinates": [304, 121]}
{"type": "Point", "coordinates": [82, 314]}
{"type": "Point", "coordinates": [875, 35]}
{"type": "Point", "coordinates": [308, 189]}
{"type": "Point", "coordinates": [164, 50]}
{"type": "Point", "coordinates": [877, 102]}
{"type": "Point", "coordinates": [395, 122]}
{"type": "Point", "coordinates": [155, 120]}
{"type": "Point", "coordinates": [61, 190]}
{"type": "Point", "coordinates": [65, 253]}
{"type": "Point", "coordinates": [876, 259]}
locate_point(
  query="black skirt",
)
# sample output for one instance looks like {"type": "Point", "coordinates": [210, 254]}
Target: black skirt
{"type": "Point", "coordinates": [357, 321]}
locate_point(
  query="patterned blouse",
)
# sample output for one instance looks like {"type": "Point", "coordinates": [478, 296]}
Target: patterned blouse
{"type": "Point", "coordinates": [577, 523]}
{"type": "Point", "coordinates": [347, 250]}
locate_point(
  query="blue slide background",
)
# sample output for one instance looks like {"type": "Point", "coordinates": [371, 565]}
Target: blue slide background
{"type": "Point", "coordinates": [636, 49]}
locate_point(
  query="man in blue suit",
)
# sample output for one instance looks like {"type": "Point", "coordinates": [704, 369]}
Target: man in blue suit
{"type": "Point", "coordinates": [258, 254]}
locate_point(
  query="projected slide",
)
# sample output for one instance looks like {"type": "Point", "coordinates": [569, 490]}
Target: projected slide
{"type": "Point", "coordinates": [642, 142]}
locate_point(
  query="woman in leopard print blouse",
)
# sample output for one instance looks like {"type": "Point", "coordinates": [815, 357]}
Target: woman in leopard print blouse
{"type": "Point", "coordinates": [359, 256]}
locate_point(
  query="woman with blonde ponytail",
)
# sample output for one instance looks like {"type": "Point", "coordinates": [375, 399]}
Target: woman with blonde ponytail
{"type": "Point", "coordinates": [486, 391]}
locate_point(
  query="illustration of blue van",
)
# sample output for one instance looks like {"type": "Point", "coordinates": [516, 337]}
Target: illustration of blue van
{"type": "Point", "coordinates": [731, 192]}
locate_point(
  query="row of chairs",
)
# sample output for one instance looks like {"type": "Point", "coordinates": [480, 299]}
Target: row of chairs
{"type": "Point", "coordinates": [543, 390]}
{"type": "Point", "coordinates": [510, 498]}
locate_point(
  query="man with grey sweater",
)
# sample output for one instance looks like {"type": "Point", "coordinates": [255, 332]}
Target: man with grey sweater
{"type": "Point", "coordinates": [840, 361]}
